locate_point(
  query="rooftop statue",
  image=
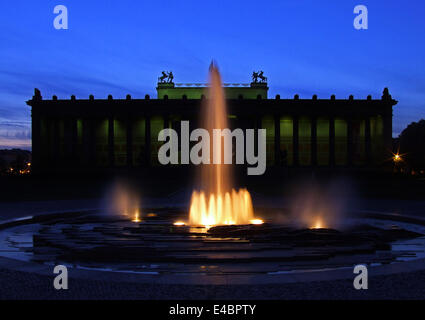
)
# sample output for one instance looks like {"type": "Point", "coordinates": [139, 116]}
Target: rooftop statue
{"type": "Point", "coordinates": [167, 77]}
{"type": "Point", "coordinates": [259, 75]}
{"type": "Point", "coordinates": [37, 94]}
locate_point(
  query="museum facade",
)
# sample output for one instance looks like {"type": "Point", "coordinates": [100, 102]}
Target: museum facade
{"type": "Point", "coordinates": [106, 134]}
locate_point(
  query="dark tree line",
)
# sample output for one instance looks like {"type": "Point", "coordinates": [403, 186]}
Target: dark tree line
{"type": "Point", "coordinates": [412, 145]}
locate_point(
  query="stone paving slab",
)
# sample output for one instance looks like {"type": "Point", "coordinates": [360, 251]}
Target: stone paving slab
{"type": "Point", "coordinates": [24, 285]}
{"type": "Point", "coordinates": [34, 281]}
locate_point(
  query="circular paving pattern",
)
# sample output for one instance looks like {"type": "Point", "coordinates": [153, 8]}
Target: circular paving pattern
{"type": "Point", "coordinates": [154, 246]}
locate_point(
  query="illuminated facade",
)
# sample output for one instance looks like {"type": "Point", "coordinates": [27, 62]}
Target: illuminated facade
{"type": "Point", "coordinates": [101, 134]}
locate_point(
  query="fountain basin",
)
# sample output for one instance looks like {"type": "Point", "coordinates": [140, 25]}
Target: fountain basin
{"type": "Point", "coordinates": [156, 247]}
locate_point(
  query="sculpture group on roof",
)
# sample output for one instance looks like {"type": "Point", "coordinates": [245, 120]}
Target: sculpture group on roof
{"type": "Point", "coordinates": [167, 77]}
{"type": "Point", "coordinates": [259, 75]}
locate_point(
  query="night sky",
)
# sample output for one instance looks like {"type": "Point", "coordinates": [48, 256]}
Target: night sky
{"type": "Point", "coordinates": [121, 47]}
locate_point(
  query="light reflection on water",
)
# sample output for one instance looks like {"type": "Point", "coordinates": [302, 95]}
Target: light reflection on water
{"type": "Point", "coordinates": [410, 249]}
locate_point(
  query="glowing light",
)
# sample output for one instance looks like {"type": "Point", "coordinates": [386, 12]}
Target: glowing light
{"type": "Point", "coordinates": [228, 209]}
{"type": "Point", "coordinates": [397, 158]}
{"type": "Point", "coordinates": [217, 203]}
{"type": "Point", "coordinates": [137, 216]}
{"type": "Point", "coordinates": [318, 224]}
{"type": "Point", "coordinates": [179, 223]}
{"type": "Point", "coordinates": [151, 215]}
{"type": "Point", "coordinates": [256, 221]}
{"type": "Point", "coordinates": [125, 202]}
{"type": "Point", "coordinates": [29, 164]}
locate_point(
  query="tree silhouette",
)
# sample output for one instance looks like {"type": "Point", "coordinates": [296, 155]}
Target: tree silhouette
{"type": "Point", "coordinates": [412, 145]}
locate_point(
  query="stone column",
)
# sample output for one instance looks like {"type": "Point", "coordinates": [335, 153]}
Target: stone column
{"type": "Point", "coordinates": [129, 128]}
{"type": "Point", "coordinates": [68, 143]}
{"type": "Point", "coordinates": [332, 141]}
{"type": "Point", "coordinates": [295, 141]}
{"type": "Point", "coordinates": [36, 162]}
{"type": "Point", "coordinates": [166, 122]}
{"type": "Point", "coordinates": [314, 141]}
{"type": "Point", "coordinates": [74, 139]}
{"type": "Point", "coordinates": [258, 125]}
{"type": "Point", "coordinates": [49, 142]}
{"type": "Point", "coordinates": [350, 142]}
{"type": "Point", "coordinates": [111, 151]}
{"type": "Point", "coordinates": [56, 142]}
{"type": "Point", "coordinates": [277, 159]}
{"type": "Point", "coordinates": [88, 142]}
{"type": "Point", "coordinates": [148, 141]}
{"type": "Point", "coordinates": [388, 133]}
{"type": "Point", "coordinates": [387, 116]}
{"type": "Point", "coordinates": [368, 141]}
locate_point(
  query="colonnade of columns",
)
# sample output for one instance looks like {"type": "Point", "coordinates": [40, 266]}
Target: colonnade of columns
{"type": "Point", "coordinates": [313, 141]}
{"type": "Point", "coordinates": [73, 141]}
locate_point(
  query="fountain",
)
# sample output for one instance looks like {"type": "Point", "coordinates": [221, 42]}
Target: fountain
{"type": "Point", "coordinates": [222, 235]}
{"type": "Point", "coordinates": [218, 203]}
{"type": "Point", "coordinates": [122, 200]}
{"type": "Point", "coordinates": [321, 205]}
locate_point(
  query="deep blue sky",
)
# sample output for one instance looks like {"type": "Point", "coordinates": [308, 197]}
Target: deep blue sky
{"type": "Point", "coordinates": [120, 47]}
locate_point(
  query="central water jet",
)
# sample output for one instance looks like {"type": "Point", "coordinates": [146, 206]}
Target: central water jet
{"type": "Point", "coordinates": [218, 203]}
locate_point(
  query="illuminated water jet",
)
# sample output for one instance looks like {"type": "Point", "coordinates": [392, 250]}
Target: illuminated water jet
{"type": "Point", "coordinates": [230, 208]}
{"type": "Point", "coordinates": [318, 223]}
{"type": "Point", "coordinates": [137, 216]}
{"type": "Point", "coordinates": [218, 203]}
{"type": "Point", "coordinates": [256, 221]}
{"type": "Point", "coordinates": [179, 223]}
{"type": "Point", "coordinates": [122, 200]}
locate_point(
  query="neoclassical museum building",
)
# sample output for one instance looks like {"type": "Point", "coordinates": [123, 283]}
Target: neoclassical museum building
{"type": "Point", "coordinates": [108, 134]}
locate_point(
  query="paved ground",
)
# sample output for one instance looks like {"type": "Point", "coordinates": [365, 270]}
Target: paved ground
{"type": "Point", "coordinates": [22, 285]}
{"type": "Point", "coordinates": [29, 285]}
